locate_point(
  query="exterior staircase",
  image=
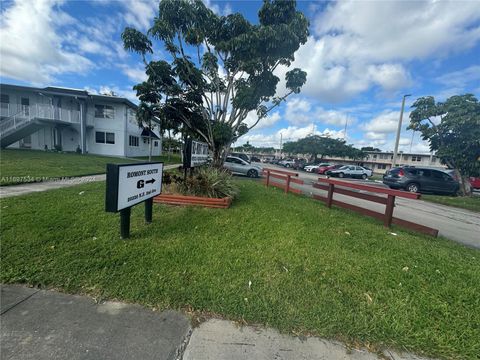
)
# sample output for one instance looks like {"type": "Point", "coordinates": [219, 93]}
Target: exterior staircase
{"type": "Point", "coordinates": [30, 119]}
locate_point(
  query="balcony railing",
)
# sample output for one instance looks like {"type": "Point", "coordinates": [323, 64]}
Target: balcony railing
{"type": "Point", "coordinates": [18, 115]}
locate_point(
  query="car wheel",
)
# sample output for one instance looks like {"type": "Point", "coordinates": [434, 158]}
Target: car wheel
{"type": "Point", "coordinates": [413, 187]}
{"type": "Point", "coordinates": [252, 173]}
{"type": "Point", "coordinates": [364, 176]}
{"type": "Point", "coordinates": [288, 165]}
{"type": "Point", "coordinates": [341, 175]}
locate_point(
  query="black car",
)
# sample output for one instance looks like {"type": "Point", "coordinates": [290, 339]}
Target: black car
{"type": "Point", "coordinates": [415, 179]}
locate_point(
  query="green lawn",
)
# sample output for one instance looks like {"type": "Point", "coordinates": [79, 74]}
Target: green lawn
{"type": "Point", "coordinates": [312, 270]}
{"type": "Point", "coordinates": [465, 202]}
{"type": "Point", "coordinates": [174, 158]}
{"type": "Point", "coordinates": [20, 166]}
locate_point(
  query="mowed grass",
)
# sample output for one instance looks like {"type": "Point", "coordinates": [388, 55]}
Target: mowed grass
{"type": "Point", "coordinates": [313, 270]}
{"type": "Point", "coordinates": [465, 202]}
{"type": "Point", "coordinates": [172, 159]}
{"type": "Point", "coordinates": [23, 166]}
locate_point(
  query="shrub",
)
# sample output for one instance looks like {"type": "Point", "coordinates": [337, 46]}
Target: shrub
{"type": "Point", "coordinates": [206, 181]}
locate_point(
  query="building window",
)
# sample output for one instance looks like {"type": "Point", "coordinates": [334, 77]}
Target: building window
{"type": "Point", "coordinates": [100, 137]}
{"type": "Point", "coordinates": [434, 159]}
{"type": "Point", "coordinates": [104, 112]}
{"type": "Point", "coordinates": [133, 140]}
{"type": "Point", "coordinates": [155, 143]}
{"type": "Point", "coordinates": [416, 158]}
{"type": "Point", "coordinates": [132, 118]}
{"type": "Point", "coordinates": [104, 137]}
{"type": "Point", "coordinates": [381, 166]}
{"type": "Point", "coordinates": [4, 101]}
{"type": "Point", "coordinates": [110, 138]}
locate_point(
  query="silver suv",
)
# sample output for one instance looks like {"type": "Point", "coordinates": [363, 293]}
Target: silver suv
{"type": "Point", "coordinates": [241, 167]}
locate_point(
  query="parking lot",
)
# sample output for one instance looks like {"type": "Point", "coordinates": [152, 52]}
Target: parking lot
{"type": "Point", "coordinates": [460, 225]}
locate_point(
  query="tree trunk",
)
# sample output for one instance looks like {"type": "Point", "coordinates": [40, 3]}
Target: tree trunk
{"type": "Point", "coordinates": [169, 144]}
{"type": "Point", "coordinates": [219, 155]}
{"type": "Point", "coordinates": [465, 187]}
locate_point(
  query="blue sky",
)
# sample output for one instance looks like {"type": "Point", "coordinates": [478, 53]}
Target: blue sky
{"type": "Point", "coordinates": [361, 58]}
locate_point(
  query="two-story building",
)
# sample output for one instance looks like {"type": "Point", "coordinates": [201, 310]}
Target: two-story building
{"type": "Point", "coordinates": [72, 120]}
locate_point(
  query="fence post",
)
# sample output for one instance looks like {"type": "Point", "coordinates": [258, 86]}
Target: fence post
{"type": "Point", "coordinates": [331, 189]}
{"type": "Point", "coordinates": [389, 211]}
{"type": "Point", "coordinates": [268, 178]}
{"type": "Point", "coordinates": [287, 187]}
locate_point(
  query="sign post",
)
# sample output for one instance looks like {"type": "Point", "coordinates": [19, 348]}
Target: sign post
{"type": "Point", "coordinates": [195, 153]}
{"type": "Point", "coordinates": [131, 184]}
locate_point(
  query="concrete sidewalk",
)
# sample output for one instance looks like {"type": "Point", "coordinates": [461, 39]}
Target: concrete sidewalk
{"type": "Point", "coordinates": [23, 189]}
{"type": "Point", "coordinates": [39, 324]}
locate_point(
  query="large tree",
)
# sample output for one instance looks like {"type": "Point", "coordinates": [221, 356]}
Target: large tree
{"type": "Point", "coordinates": [452, 129]}
{"type": "Point", "coordinates": [219, 68]}
{"type": "Point", "coordinates": [320, 146]}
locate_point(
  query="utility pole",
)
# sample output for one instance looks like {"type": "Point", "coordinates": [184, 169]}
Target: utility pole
{"type": "Point", "coordinates": [281, 138]}
{"type": "Point", "coordinates": [399, 129]}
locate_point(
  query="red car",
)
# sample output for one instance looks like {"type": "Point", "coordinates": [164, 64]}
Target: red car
{"type": "Point", "coordinates": [324, 169]}
{"type": "Point", "coordinates": [475, 182]}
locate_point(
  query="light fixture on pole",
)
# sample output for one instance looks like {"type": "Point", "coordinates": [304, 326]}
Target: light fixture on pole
{"type": "Point", "coordinates": [397, 140]}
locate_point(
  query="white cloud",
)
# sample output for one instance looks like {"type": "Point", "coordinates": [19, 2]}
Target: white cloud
{"type": "Point", "coordinates": [358, 45]}
{"type": "Point", "coordinates": [127, 93]}
{"type": "Point", "coordinates": [299, 111]}
{"type": "Point", "coordinates": [140, 13]}
{"type": "Point", "coordinates": [30, 48]}
{"type": "Point", "coordinates": [217, 9]}
{"type": "Point", "coordinates": [264, 123]}
{"type": "Point", "coordinates": [290, 133]}
{"type": "Point", "coordinates": [459, 79]}
{"type": "Point", "coordinates": [136, 74]}
{"type": "Point", "coordinates": [386, 122]}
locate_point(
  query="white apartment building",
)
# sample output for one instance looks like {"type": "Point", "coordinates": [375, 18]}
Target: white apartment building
{"type": "Point", "coordinates": [70, 119]}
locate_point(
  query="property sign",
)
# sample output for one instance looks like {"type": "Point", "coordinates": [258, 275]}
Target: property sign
{"type": "Point", "coordinates": [195, 153]}
{"type": "Point", "coordinates": [130, 184]}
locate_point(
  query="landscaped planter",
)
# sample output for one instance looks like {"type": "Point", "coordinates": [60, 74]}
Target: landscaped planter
{"type": "Point", "coordinates": [222, 203]}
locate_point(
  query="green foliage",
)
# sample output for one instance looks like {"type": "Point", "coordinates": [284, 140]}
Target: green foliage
{"type": "Point", "coordinates": [191, 93]}
{"type": "Point", "coordinates": [207, 181]}
{"type": "Point", "coordinates": [452, 129]}
{"type": "Point", "coordinates": [370, 148]}
{"type": "Point", "coordinates": [324, 146]}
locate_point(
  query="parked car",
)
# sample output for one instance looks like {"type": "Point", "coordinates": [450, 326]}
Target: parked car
{"type": "Point", "coordinates": [416, 179]}
{"type": "Point", "coordinates": [314, 167]}
{"type": "Point", "coordinates": [475, 182]}
{"type": "Point", "coordinates": [287, 162]}
{"type": "Point", "coordinates": [350, 171]}
{"type": "Point", "coordinates": [324, 169]}
{"type": "Point", "coordinates": [299, 164]}
{"type": "Point", "coordinates": [241, 167]}
{"type": "Point", "coordinates": [241, 156]}
{"type": "Point", "coordinates": [254, 159]}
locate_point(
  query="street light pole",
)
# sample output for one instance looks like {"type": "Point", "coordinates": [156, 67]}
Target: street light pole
{"type": "Point", "coordinates": [399, 129]}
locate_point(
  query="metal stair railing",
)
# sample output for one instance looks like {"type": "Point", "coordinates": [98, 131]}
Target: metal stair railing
{"type": "Point", "coordinates": [43, 111]}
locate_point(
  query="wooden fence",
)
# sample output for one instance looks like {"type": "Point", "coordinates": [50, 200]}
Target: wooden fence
{"type": "Point", "coordinates": [282, 179]}
{"type": "Point", "coordinates": [352, 189]}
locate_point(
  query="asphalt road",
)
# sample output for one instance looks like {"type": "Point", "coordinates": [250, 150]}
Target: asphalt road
{"type": "Point", "coordinates": [456, 224]}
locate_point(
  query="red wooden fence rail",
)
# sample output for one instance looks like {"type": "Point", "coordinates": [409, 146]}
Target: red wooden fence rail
{"type": "Point", "coordinates": [342, 187]}
{"type": "Point", "coordinates": [272, 176]}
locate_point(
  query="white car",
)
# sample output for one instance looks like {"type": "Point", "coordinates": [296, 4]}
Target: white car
{"type": "Point", "coordinates": [314, 168]}
{"type": "Point", "coordinates": [241, 167]}
{"type": "Point", "coordinates": [350, 171]}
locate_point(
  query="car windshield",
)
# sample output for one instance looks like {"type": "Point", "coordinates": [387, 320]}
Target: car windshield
{"type": "Point", "coordinates": [344, 168]}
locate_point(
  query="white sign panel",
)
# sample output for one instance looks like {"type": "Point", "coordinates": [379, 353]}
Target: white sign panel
{"type": "Point", "coordinates": [133, 184]}
{"type": "Point", "coordinates": [199, 153]}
